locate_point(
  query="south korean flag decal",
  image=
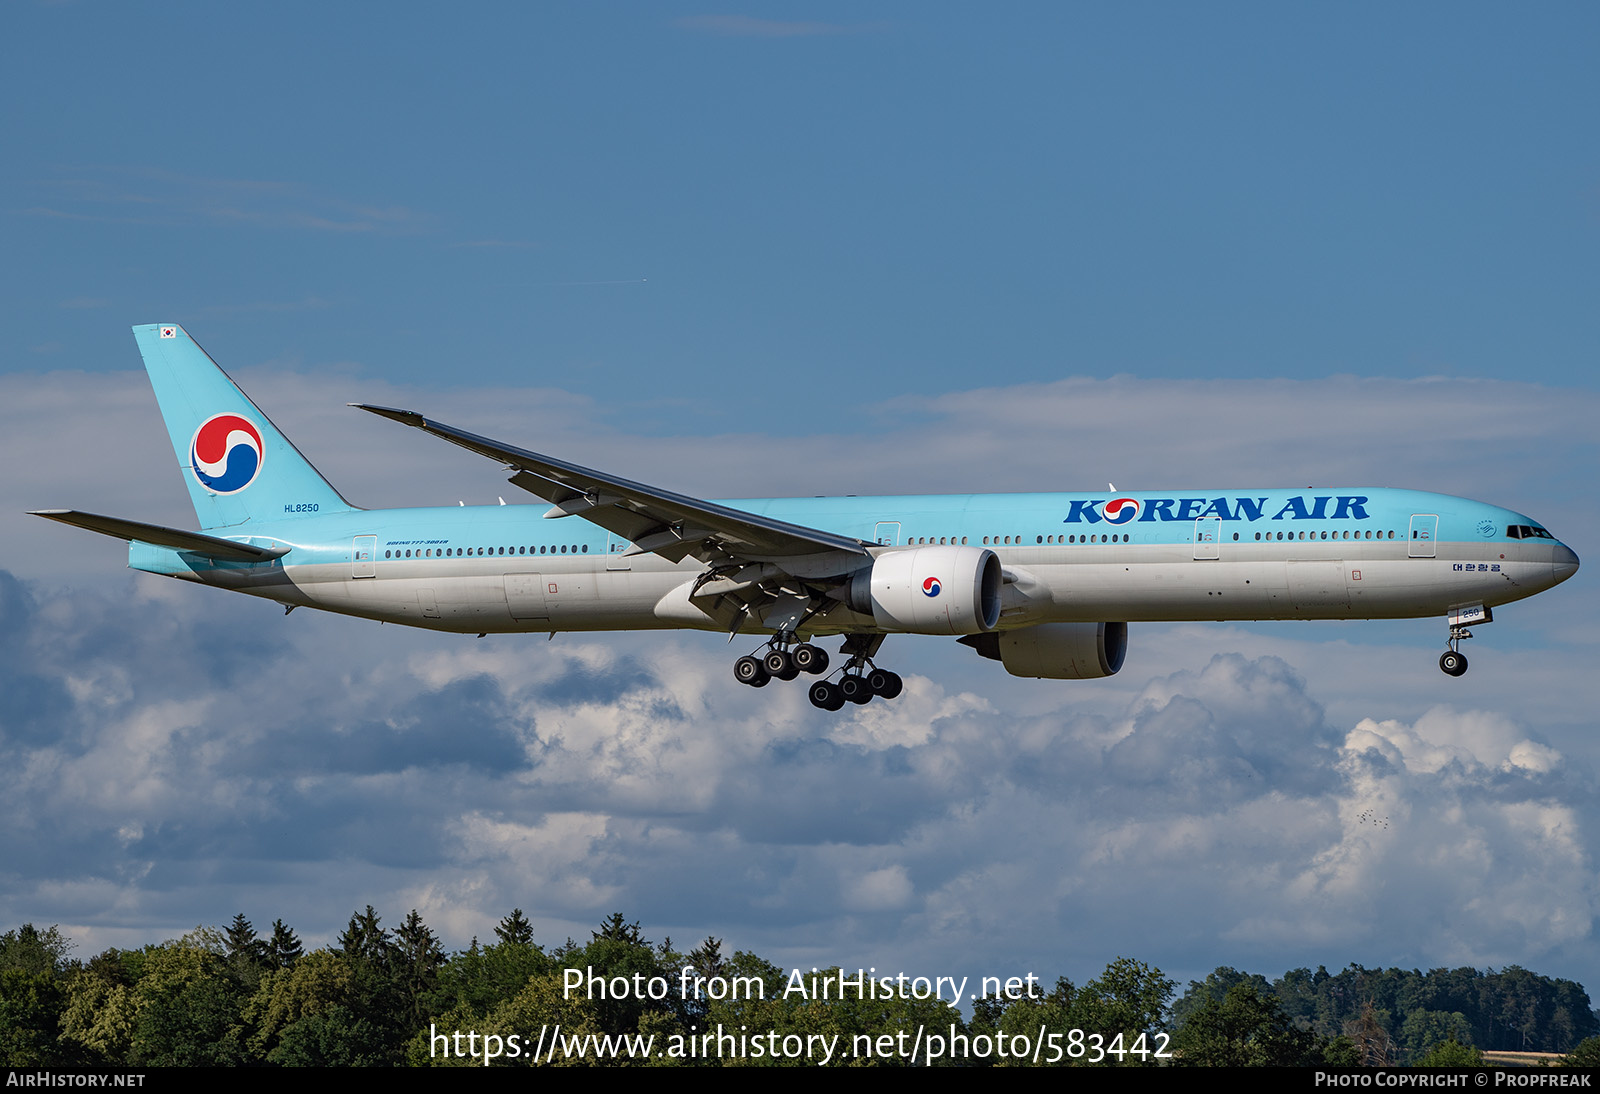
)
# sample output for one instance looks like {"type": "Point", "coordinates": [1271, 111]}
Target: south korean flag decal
{"type": "Point", "coordinates": [169, 332]}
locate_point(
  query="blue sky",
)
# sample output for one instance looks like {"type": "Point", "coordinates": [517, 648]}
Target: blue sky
{"type": "Point", "coordinates": [837, 249]}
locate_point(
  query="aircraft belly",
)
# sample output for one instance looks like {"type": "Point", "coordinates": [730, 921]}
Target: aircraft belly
{"type": "Point", "coordinates": [1168, 591]}
{"type": "Point", "coordinates": [497, 602]}
{"type": "Point", "coordinates": [1317, 587]}
{"type": "Point", "coordinates": [1160, 588]}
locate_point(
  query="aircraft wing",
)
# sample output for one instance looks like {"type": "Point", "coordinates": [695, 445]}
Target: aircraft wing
{"type": "Point", "coordinates": [176, 538]}
{"type": "Point", "coordinates": [654, 521]}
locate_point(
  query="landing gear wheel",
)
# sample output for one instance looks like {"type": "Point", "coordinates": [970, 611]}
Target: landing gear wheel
{"type": "Point", "coordinates": [1453, 663]}
{"type": "Point", "coordinates": [778, 663]}
{"type": "Point", "coordinates": [810, 659]}
{"type": "Point", "coordinates": [855, 689]}
{"type": "Point", "coordinates": [884, 683]}
{"type": "Point", "coordinates": [748, 670]}
{"type": "Point", "coordinates": [825, 695]}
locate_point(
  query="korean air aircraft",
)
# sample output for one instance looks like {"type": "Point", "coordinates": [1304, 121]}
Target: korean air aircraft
{"type": "Point", "coordinates": [1046, 584]}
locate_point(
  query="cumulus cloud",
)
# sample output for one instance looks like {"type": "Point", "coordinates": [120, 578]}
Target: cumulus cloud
{"type": "Point", "coordinates": [1239, 796]}
{"type": "Point", "coordinates": [188, 759]}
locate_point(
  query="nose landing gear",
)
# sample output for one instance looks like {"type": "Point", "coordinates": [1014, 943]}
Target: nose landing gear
{"type": "Point", "coordinates": [1452, 660]}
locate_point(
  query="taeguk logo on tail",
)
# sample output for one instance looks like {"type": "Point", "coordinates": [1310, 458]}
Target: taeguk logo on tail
{"type": "Point", "coordinates": [931, 586]}
{"type": "Point", "coordinates": [226, 453]}
{"type": "Point", "coordinates": [1120, 510]}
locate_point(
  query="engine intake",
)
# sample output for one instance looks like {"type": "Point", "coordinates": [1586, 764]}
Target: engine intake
{"type": "Point", "coordinates": [930, 590]}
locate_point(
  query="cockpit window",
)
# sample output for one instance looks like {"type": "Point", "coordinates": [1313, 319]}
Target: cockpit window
{"type": "Point", "coordinates": [1528, 531]}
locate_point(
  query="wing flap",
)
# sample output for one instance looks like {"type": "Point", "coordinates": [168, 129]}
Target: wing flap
{"type": "Point", "coordinates": [653, 520]}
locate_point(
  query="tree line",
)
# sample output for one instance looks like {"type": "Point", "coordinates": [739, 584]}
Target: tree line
{"type": "Point", "coordinates": [382, 996]}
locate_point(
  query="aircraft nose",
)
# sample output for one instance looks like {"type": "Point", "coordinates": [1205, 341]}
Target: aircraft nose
{"type": "Point", "coordinates": [1565, 563]}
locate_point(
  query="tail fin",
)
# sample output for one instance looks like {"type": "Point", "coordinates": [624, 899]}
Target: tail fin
{"type": "Point", "coordinates": [236, 464]}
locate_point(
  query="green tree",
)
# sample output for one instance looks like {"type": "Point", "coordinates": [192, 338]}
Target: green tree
{"type": "Point", "coordinates": [1450, 1053]}
{"type": "Point", "coordinates": [283, 948]}
{"type": "Point", "coordinates": [1121, 1015]}
{"type": "Point", "coordinates": [515, 929]}
{"type": "Point", "coordinates": [416, 960]}
{"type": "Point", "coordinates": [188, 1004]}
{"type": "Point", "coordinates": [100, 1010]}
{"type": "Point", "coordinates": [1248, 1028]}
{"type": "Point", "coordinates": [1129, 998]}
{"type": "Point", "coordinates": [480, 978]}
{"type": "Point", "coordinates": [1423, 1029]}
{"type": "Point", "coordinates": [32, 950]}
{"type": "Point", "coordinates": [33, 997]}
{"type": "Point", "coordinates": [30, 1012]}
{"type": "Point", "coordinates": [247, 955]}
{"type": "Point", "coordinates": [365, 939]}
{"type": "Point", "coordinates": [314, 985]}
{"type": "Point", "coordinates": [1586, 1054]}
{"type": "Point", "coordinates": [1214, 987]}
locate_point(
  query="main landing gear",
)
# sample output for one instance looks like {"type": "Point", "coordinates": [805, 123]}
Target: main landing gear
{"type": "Point", "coordinates": [780, 663]}
{"type": "Point", "coordinates": [856, 687]}
{"type": "Point", "coordinates": [861, 681]}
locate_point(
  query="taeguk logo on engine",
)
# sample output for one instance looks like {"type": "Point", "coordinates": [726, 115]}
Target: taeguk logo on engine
{"type": "Point", "coordinates": [1120, 510]}
{"type": "Point", "coordinates": [931, 586]}
{"type": "Point", "coordinates": [226, 453]}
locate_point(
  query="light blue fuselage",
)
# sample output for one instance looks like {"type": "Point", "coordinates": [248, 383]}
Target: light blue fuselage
{"type": "Point", "coordinates": [1176, 555]}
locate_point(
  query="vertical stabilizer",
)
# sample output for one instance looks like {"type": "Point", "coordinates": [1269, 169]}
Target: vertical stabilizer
{"type": "Point", "coordinates": [236, 464]}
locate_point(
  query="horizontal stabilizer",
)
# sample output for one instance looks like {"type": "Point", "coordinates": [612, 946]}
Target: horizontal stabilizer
{"type": "Point", "coordinates": [176, 538]}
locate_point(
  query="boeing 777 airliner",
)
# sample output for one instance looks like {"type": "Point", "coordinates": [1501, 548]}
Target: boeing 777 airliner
{"type": "Point", "coordinates": [1046, 584]}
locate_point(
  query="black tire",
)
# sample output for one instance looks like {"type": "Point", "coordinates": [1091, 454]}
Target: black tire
{"type": "Point", "coordinates": [855, 689]}
{"type": "Point", "coordinates": [780, 665]}
{"type": "Point", "coordinates": [748, 670]}
{"type": "Point", "coordinates": [825, 696]}
{"type": "Point", "coordinates": [1453, 663]}
{"type": "Point", "coordinates": [885, 684]}
{"type": "Point", "coordinates": [810, 659]}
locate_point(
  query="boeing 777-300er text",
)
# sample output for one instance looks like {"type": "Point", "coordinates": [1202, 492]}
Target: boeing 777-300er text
{"type": "Point", "coordinates": [1046, 584]}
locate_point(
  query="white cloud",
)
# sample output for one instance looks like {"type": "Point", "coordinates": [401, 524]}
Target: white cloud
{"type": "Point", "coordinates": [1241, 796]}
{"type": "Point", "coordinates": [1473, 740]}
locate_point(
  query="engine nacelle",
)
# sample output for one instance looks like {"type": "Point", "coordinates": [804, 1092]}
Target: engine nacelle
{"type": "Point", "coordinates": [930, 590]}
{"type": "Point", "coordinates": [1057, 651]}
